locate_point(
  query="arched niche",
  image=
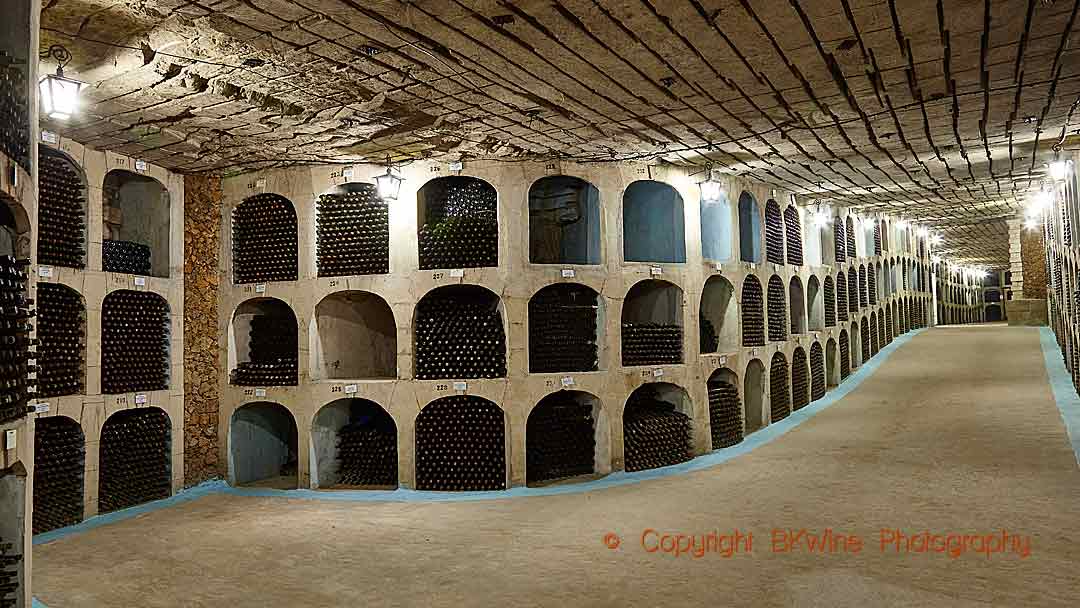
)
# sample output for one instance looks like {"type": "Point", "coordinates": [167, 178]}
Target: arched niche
{"type": "Point", "coordinates": [566, 435]}
{"type": "Point", "coordinates": [263, 446]}
{"type": "Point", "coordinates": [137, 224]}
{"type": "Point", "coordinates": [657, 427]}
{"type": "Point", "coordinates": [825, 238]}
{"type": "Point", "coordinates": [889, 330]}
{"type": "Point", "coordinates": [793, 235]}
{"type": "Point", "coordinates": [457, 220]}
{"type": "Point", "coordinates": [61, 221]}
{"type": "Point", "coordinates": [564, 221]}
{"type": "Point", "coordinates": [853, 290]}
{"type": "Point", "coordinates": [877, 329]}
{"type": "Point", "coordinates": [352, 231]}
{"type": "Point", "coordinates": [355, 337]}
{"type": "Point", "coordinates": [59, 464]}
{"type": "Point", "coordinates": [841, 297]}
{"type": "Point", "coordinates": [263, 349]}
{"type": "Point", "coordinates": [717, 228]}
{"type": "Point", "coordinates": [872, 285]}
{"type": "Point", "coordinates": [725, 409]}
{"type": "Point", "coordinates": [845, 356]}
{"type": "Point", "coordinates": [135, 342]}
{"type": "Point", "coordinates": [61, 332]}
{"type": "Point", "coordinates": [653, 229]}
{"type": "Point", "coordinates": [749, 229]}
{"type": "Point", "coordinates": [839, 240]}
{"type": "Point", "coordinates": [754, 388]}
{"type": "Point", "coordinates": [566, 323]}
{"type": "Point", "coordinates": [864, 341]}
{"type": "Point", "coordinates": [718, 316]}
{"type": "Point", "coordinates": [134, 459]}
{"type": "Point", "coordinates": [877, 238]}
{"type": "Point", "coordinates": [353, 445]}
{"type": "Point", "coordinates": [776, 309]}
{"type": "Point", "coordinates": [818, 377]}
{"type": "Point", "coordinates": [652, 330]}
{"type": "Point", "coordinates": [832, 364]}
{"type": "Point", "coordinates": [458, 332]}
{"type": "Point", "coordinates": [993, 313]}
{"type": "Point", "coordinates": [815, 305]}
{"type": "Point", "coordinates": [774, 233]}
{"type": "Point", "coordinates": [264, 240]}
{"type": "Point", "coordinates": [800, 379]}
{"type": "Point", "coordinates": [850, 238]}
{"type": "Point", "coordinates": [14, 229]}
{"type": "Point", "coordinates": [797, 305]}
{"type": "Point", "coordinates": [461, 445]}
{"type": "Point", "coordinates": [779, 388]}
{"type": "Point", "coordinates": [753, 312]}
{"type": "Point", "coordinates": [864, 290]}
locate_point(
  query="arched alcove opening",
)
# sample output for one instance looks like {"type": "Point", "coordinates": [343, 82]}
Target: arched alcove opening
{"type": "Point", "coordinates": [565, 325]}
{"type": "Point", "coordinates": [877, 237]}
{"type": "Point", "coordinates": [135, 234]}
{"type": "Point", "coordinates": [566, 435]}
{"type": "Point", "coordinates": [749, 229]}
{"type": "Point", "coordinates": [61, 354]}
{"type": "Point", "coordinates": [864, 291]}
{"type": "Point", "coordinates": [458, 223]}
{"type": "Point", "coordinates": [657, 427]}
{"type": "Point", "coordinates": [877, 329]}
{"type": "Point", "coordinates": [845, 356]}
{"type": "Point", "coordinates": [652, 331]}
{"type": "Point", "coordinates": [459, 333]}
{"type": "Point", "coordinates": [993, 313]}
{"type": "Point", "coordinates": [888, 324]}
{"type": "Point", "coordinates": [352, 231]}
{"type": "Point", "coordinates": [135, 328]}
{"type": "Point", "coordinates": [353, 445]}
{"type": "Point", "coordinates": [850, 238]}
{"type": "Point", "coordinates": [134, 459]}
{"type": "Point", "coordinates": [829, 300]}
{"type": "Point", "coordinates": [818, 379]}
{"type": "Point", "coordinates": [61, 221]}
{"type": "Point", "coordinates": [263, 347]}
{"type": "Point", "coordinates": [564, 221]}
{"type": "Point", "coordinates": [853, 290]}
{"type": "Point", "coordinates": [774, 233]}
{"type": "Point", "coordinates": [793, 234]}
{"type": "Point", "coordinates": [841, 297]}
{"type": "Point", "coordinates": [264, 240]}
{"type": "Point", "coordinates": [263, 446]}
{"type": "Point", "coordinates": [864, 341]}
{"type": "Point", "coordinates": [839, 240]}
{"type": "Point", "coordinates": [461, 445]}
{"type": "Point", "coordinates": [779, 389]}
{"type": "Point", "coordinates": [832, 364]}
{"type": "Point", "coordinates": [717, 229]}
{"type": "Point", "coordinates": [653, 229]}
{"type": "Point", "coordinates": [725, 409]}
{"type": "Point", "coordinates": [355, 337]}
{"type": "Point", "coordinates": [718, 316]}
{"type": "Point", "coordinates": [826, 239]}
{"type": "Point", "coordinates": [754, 389]}
{"type": "Point", "coordinates": [753, 313]}
{"type": "Point", "coordinates": [59, 465]}
{"type": "Point", "coordinates": [873, 285]}
{"type": "Point", "coordinates": [777, 310]}
{"type": "Point", "coordinates": [797, 304]}
{"type": "Point", "coordinates": [800, 379]}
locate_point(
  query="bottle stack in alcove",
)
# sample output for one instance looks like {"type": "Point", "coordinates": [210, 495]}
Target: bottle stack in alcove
{"type": "Point", "coordinates": [655, 434]}
{"type": "Point", "coordinates": [709, 340]}
{"type": "Point", "coordinates": [367, 452]}
{"type": "Point", "coordinates": [16, 388]}
{"type": "Point", "coordinates": [460, 445]}
{"type": "Point", "coordinates": [134, 343]}
{"type": "Point", "coordinates": [135, 460]}
{"type": "Point", "coordinates": [61, 219]}
{"type": "Point", "coordinates": [264, 240]}
{"type": "Point", "coordinates": [753, 319]}
{"type": "Point", "coordinates": [14, 112]}
{"type": "Point", "coordinates": [10, 559]}
{"type": "Point", "coordinates": [561, 439]}
{"type": "Point", "coordinates": [60, 333]}
{"type": "Point", "coordinates": [459, 335]}
{"type": "Point", "coordinates": [725, 414]}
{"type": "Point", "coordinates": [272, 353]}
{"type": "Point", "coordinates": [125, 256]}
{"type": "Point", "coordinates": [353, 233]}
{"type": "Point", "coordinates": [59, 461]}
{"type": "Point", "coordinates": [651, 344]}
{"type": "Point", "coordinates": [562, 330]}
{"type": "Point", "coordinates": [461, 227]}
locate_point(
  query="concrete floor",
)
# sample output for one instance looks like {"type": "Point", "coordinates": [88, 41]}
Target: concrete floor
{"type": "Point", "coordinates": [956, 433]}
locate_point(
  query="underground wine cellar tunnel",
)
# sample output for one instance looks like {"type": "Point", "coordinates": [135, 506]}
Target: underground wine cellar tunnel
{"type": "Point", "coordinates": [279, 267]}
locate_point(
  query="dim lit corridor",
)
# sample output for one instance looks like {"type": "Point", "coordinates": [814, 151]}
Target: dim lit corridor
{"type": "Point", "coordinates": [957, 432]}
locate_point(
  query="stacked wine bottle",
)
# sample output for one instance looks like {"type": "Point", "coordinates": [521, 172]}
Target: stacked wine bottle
{"type": "Point", "coordinates": [800, 381]}
{"type": "Point", "coordinates": [845, 356]}
{"type": "Point", "coordinates": [125, 256]}
{"type": "Point", "coordinates": [725, 414]}
{"type": "Point", "coordinates": [793, 231]}
{"type": "Point", "coordinates": [14, 112]}
{"type": "Point", "coordinates": [651, 344]}
{"type": "Point", "coordinates": [561, 436]}
{"type": "Point", "coordinates": [849, 235]}
{"type": "Point", "coordinates": [60, 334]}
{"type": "Point", "coordinates": [655, 434]}
{"type": "Point", "coordinates": [59, 461]}
{"type": "Point", "coordinates": [774, 234]}
{"type": "Point", "coordinates": [710, 342]}
{"type": "Point", "coordinates": [367, 455]}
{"type": "Point", "coordinates": [459, 334]}
{"type": "Point", "coordinates": [562, 330]}
{"type": "Point", "coordinates": [353, 234]}
{"type": "Point", "coordinates": [864, 334]}
{"type": "Point", "coordinates": [839, 250]}
{"type": "Point", "coordinates": [15, 342]}
{"type": "Point", "coordinates": [264, 246]}
{"type": "Point", "coordinates": [460, 445]}
{"type": "Point", "coordinates": [777, 310]}
{"type": "Point", "coordinates": [135, 461]}
{"type": "Point", "coordinates": [461, 227]}
{"type": "Point", "coordinates": [10, 565]}
{"type": "Point", "coordinates": [779, 395]}
{"type": "Point", "coordinates": [273, 358]}
{"type": "Point", "coordinates": [753, 313]}
{"type": "Point", "coordinates": [61, 213]}
{"type": "Point", "coordinates": [817, 372]}
{"type": "Point", "coordinates": [871, 281]}
{"type": "Point", "coordinates": [877, 237]}
{"type": "Point", "coordinates": [830, 302]}
{"type": "Point", "coordinates": [134, 342]}
{"type": "Point", "coordinates": [853, 291]}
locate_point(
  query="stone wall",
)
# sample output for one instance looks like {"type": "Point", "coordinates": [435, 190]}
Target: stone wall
{"type": "Point", "coordinates": [202, 242]}
{"type": "Point", "coordinates": [1033, 257]}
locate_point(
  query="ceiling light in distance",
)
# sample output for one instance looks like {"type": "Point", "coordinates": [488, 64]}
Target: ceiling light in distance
{"type": "Point", "coordinates": [59, 95]}
{"type": "Point", "coordinates": [1059, 169]}
{"type": "Point", "coordinates": [388, 184]}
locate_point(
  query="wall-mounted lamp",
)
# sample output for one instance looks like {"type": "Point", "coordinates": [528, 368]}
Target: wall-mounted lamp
{"type": "Point", "coordinates": [59, 95]}
{"type": "Point", "coordinates": [388, 184]}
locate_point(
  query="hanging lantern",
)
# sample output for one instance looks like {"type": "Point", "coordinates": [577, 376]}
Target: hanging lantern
{"type": "Point", "coordinates": [59, 94]}
{"type": "Point", "coordinates": [388, 184]}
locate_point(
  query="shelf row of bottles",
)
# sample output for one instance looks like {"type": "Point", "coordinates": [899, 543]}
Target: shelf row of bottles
{"type": "Point", "coordinates": [16, 322]}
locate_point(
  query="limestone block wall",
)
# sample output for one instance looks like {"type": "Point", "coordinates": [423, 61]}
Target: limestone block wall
{"type": "Point", "coordinates": [901, 275]}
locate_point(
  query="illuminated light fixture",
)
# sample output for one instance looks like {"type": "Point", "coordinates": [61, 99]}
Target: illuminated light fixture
{"type": "Point", "coordinates": [821, 219]}
{"type": "Point", "coordinates": [1058, 169]}
{"type": "Point", "coordinates": [711, 190]}
{"type": "Point", "coordinates": [1044, 198]}
{"type": "Point", "coordinates": [935, 239]}
{"type": "Point", "coordinates": [388, 184]}
{"type": "Point", "coordinates": [59, 95]}
{"type": "Point", "coordinates": [922, 231]}
{"type": "Point", "coordinates": [901, 223]}
{"type": "Point", "coordinates": [1031, 223]}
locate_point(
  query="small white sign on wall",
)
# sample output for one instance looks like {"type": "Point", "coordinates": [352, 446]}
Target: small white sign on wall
{"type": "Point", "coordinates": [44, 271]}
{"type": "Point", "coordinates": [140, 399]}
{"type": "Point", "coordinates": [140, 281]}
{"type": "Point", "coordinates": [41, 408]}
{"type": "Point", "coordinates": [10, 439]}
{"type": "Point", "coordinates": [567, 382]}
{"type": "Point", "coordinates": [347, 174]}
{"type": "Point", "coordinates": [461, 386]}
{"type": "Point", "coordinates": [49, 137]}
{"type": "Point", "coordinates": [350, 389]}
{"type": "Point", "coordinates": [567, 273]}
{"type": "Point", "coordinates": [260, 288]}
{"type": "Point", "coordinates": [722, 360]}
{"type": "Point", "coordinates": [260, 392]}
{"type": "Point", "coordinates": [141, 166]}
{"type": "Point", "coordinates": [457, 273]}
{"type": "Point", "coordinates": [656, 271]}
{"type": "Point", "coordinates": [455, 166]}
{"type": "Point", "coordinates": [658, 373]}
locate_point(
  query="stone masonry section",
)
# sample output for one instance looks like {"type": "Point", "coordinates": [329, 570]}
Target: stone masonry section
{"type": "Point", "coordinates": [1033, 255]}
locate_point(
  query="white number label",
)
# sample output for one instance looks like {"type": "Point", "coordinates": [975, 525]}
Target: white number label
{"type": "Point", "coordinates": [461, 387]}
{"type": "Point", "coordinates": [457, 273]}
{"type": "Point", "coordinates": [260, 392]}
{"type": "Point", "coordinates": [140, 399]}
{"type": "Point", "coordinates": [455, 166]}
{"type": "Point", "coordinates": [41, 408]}
{"type": "Point", "coordinates": [260, 288]}
{"type": "Point", "coordinates": [9, 439]}
{"type": "Point", "coordinates": [567, 273]}
{"type": "Point", "coordinates": [49, 137]}
{"type": "Point", "coordinates": [140, 281]}
{"type": "Point", "coordinates": [44, 271]}
{"type": "Point", "coordinates": [140, 166]}
{"type": "Point", "coordinates": [350, 389]}
{"type": "Point", "coordinates": [658, 373]}
{"type": "Point", "coordinates": [567, 382]}
{"type": "Point", "coordinates": [656, 271]}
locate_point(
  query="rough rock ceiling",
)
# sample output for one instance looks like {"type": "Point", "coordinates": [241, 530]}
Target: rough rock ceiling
{"type": "Point", "coordinates": [942, 110]}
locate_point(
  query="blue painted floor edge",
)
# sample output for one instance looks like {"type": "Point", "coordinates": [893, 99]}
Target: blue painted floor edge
{"type": "Point", "coordinates": [1068, 402]}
